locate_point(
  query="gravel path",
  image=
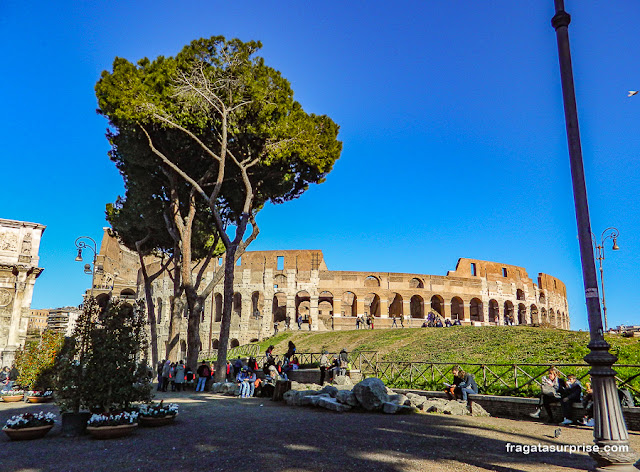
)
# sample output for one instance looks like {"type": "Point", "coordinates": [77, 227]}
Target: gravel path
{"type": "Point", "coordinates": [215, 433]}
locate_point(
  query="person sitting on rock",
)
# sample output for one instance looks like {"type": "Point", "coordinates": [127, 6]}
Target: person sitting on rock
{"type": "Point", "coordinates": [570, 393]}
{"type": "Point", "coordinates": [295, 363]}
{"type": "Point", "coordinates": [467, 384]}
{"type": "Point", "coordinates": [453, 390]}
{"type": "Point", "coordinates": [251, 382]}
{"type": "Point", "coordinates": [550, 394]}
{"type": "Point", "coordinates": [242, 381]}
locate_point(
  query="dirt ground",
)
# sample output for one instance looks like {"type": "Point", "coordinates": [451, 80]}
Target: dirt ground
{"type": "Point", "coordinates": [216, 433]}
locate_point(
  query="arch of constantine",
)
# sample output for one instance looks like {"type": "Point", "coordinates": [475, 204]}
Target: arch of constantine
{"type": "Point", "coordinates": [279, 286]}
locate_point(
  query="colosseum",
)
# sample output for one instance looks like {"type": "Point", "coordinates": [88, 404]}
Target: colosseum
{"type": "Point", "coordinates": [278, 286]}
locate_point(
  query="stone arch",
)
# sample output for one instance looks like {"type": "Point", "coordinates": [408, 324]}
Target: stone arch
{"type": "Point", "coordinates": [508, 315]}
{"type": "Point", "coordinates": [396, 307]}
{"type": "Point", "coordinates": [457, 309]}
{"type": "Point", "coordinates": [127, 293]}
{"type": "Point", "coordinates": [416, 306]}
{"type": "Point", "coordinates": [476, 310]}
{"type": "Point", "coordinates": [542, 297]}
{"type": "Point", "coordinates": [325, 305]}
{"type": "Point", "coordinates": [416, 283]}
{"type": "Point", "coordinates": [279, 307]}
{"type": "Point", "coordinates": [303, 304]}
{"type": "Point", "coordinates": [522, 314]}
{"type": "Point", "coordinates": [215, 344]}
{"type": "Point", "coordinates": [237, 304]}
{"type": "Point", "coordinates": [349, 304]}
{"type": "Point", "coordinates": [535, 316]}
{"type": "Point", "coordinates": [372, 304]}
{"type": "Point", "coordinates": [234, 343]}
{"type": "Point", "coordinates": [218, 307]}
{"type": "Point", "coordinates": [543, 313]}
{"type": "Point", "coordinates": [437, 304]}
{"type": "Point", "coordinates": [257, 304]}
{"type": "Point", "coordinates": [494, 311]}
{"type": "Point", "coordinates": [372, 281]}
{"type": "Point", "coordinates": [552, 317]}
{"type": "Point", "coordinates": [520, 294]}
{"type": "Point", "coordinates": [280, 281]}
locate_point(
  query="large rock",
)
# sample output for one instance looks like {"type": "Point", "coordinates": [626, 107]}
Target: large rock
{"type": "Point", "coordinates": [371, 393]}
{"type": "Point", "coordinates": [477, 410]}
{"type": "Point", "coordinates": [399, 399]}
{"type": "Point", "coordinates": [434, 405]}
{"type": "Point", "coordinates": [343, 381]}
{"type": "Point", "coordinates": [314, 400]}
{"type": "Point", "coordinates": [347, 397]}
{"type": "Point", "coordinates": [330, 389]}
{"type": "Point", "coordinates": [417, 400]}
{"type": "Point", "coordinates": [297, 397]}
{"type": "Point", "coordinates": [392, 408]}
{"type": "Point", "coordinates": [331, 404]}
{"type": "Point", "coordinates": [456, 408]}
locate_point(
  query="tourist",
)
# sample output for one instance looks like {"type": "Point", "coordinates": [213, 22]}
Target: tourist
{"type": "Point", "coordinates": [468, 382]}
{"type": "Point", "coordinates": [252, 363]}
{"type": "Point", "coordinates": [439, 323]}
{"type": "Point", "coordinates": [275, 328]}
{"type": "Point", "coordinates": [4, 378]}
{"type": "Point", "coordinates": [250, 380]}
{"type": "Point", "coordinates": [237, 365]}
{"type": "Point", "coordinates": [401, 321]}
{"type": "Point", "coordinates": [179, 376]}
{"type": "Point", "coordinates": [457, 323]}
{"type": "Point", "coordinates": [166, 373]}
{"type": "Point", "coordinates": [358, 322]}
{"type": "Point", "coordinates": [287, 322]}
{"type": "Point", "coordinates": [299, 321]}
{"type": "Point", "coordinates": [334, 371]}
{"type": "Point", "coordinates": [229, 371]}
{"type": "Point", "coordinates": [550, 394]}
{"type": "Point", "coordinates": [204, 373]}
{"type": "Point", "coordinates": [424, 324]}
{"type": "Point", "coordinates": [324, 365]}
{"type": "Point", "coordinates": [242, 381]}
{"type": "Point", "coordinates": [571, 392]}
{"type": "Point", "coordinates": [295, 363]}
{"type": "Point", "coordinates": [344, 361]}
{"type": "Point", "coordinates": [394, 324]}
{"type": "Point", "coordinates": [587, 404]}
{"type": "Point", "coordinates": [447, 323]}
{"type": "Point", "coordinates": [453, 390]}
{"type": "Point", "coordinates": [368, 321]}
{"type": "Point", "coordinates": [291, 350]}
{"type": "Point", "coordinates": [159, 368]}
{"type": "Point", "coordinates": [269, 352]}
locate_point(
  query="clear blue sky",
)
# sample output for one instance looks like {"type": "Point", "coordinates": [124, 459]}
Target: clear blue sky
{"type": "Point", "coordinates": [450, 113]}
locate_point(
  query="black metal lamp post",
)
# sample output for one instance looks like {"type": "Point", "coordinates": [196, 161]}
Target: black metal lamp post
{"type": "Point", "coordinates": [609, 233]}
{"type": "Point", "coordinates": [610, 431]}
{"type": "Point", "coordinates": [88, 268]}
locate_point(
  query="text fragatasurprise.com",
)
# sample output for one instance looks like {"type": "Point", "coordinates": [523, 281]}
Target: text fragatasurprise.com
{"type": "Point", "coordinates": [570, 448]}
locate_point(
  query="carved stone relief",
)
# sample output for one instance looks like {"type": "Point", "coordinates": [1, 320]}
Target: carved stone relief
{"type": "Point", "coordinates": [8, 241]}
{"type": "Point", "coordinates": [5, 297]}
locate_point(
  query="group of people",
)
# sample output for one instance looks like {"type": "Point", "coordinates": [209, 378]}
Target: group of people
{"type": "Point", "coordinates": [435, 321]}
{"type": "Point", "coordinates": [337, 366]}
{"type": "Point", "coordinates": [287, 324]}
{"type": "Point", "coordinates": [463, 384]}
{"type": "Point", "coordinates": [8, 377]}
{"type": "Point", "coordinates": [361, 321]}
{"type": "Point", "coordinates": [174, 374]}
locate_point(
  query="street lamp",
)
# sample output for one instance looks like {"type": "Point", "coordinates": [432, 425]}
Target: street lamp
{"type": "Point", "coordinates": [609, 233]}
{"type": "Point", "coordinates": [609, 431]}
{"type": "Point", "coordinates": [88, 268]}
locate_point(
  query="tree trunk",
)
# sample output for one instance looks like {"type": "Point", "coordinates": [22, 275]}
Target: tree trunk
{"type": "Point", "coordinates": [173, 343]}
{"type": "Point", "coordinates": [151, 314]}
{"type": "Point", "coordinates": [195, 305]}
{"type": "Point", "coordinates": [225, 325]}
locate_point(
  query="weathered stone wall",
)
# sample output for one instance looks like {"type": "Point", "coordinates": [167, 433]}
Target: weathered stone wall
{"type": "Point", "coordinates": [19, 246]}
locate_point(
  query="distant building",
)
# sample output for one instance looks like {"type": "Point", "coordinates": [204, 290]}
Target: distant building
{"type": "Point", "coordinates": [63, 320]}
{"type": "Point", "coordinates": [19, 245]}
{"type": "Point", "coordinates": [38, 320]}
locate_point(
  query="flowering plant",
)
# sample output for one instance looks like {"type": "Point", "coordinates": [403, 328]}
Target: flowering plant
{"type": "Point", "coordinates": [11, 393]}
{"type": "Point", "coordinates": [113, 420]}
{"type": "Point", "coordinates": [30, 420]}
{"type": "Point", "coordinates": [159, 410]}
{"type": "Point", "coordinates": [39, 393]}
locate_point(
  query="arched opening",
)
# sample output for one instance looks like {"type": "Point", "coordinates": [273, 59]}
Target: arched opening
{"type": "Point", "coordinates": [237, 304]}
{"type": "Point", "coordinates": [544, 318]}
{"type": "Point", "coordinates": [416, 306]}
{"type": "Point", "coordinates": [218, 308]}
{"type": "Point", "coordinates": [437, 303]}
{"type": "Point", "coordinates": [416, 283]}
{"type": "Point", "coordinates": [543, 298]}
{"type": "Point", "coordinates": [522, 314]}
{"type": "Point", "coordinates": [280, 281]}
{"type": "Point", "coordinates": [234, 343]}
{"type": "Point", "coordinates": [254, 340]}
{"type": "Point", "coordinates": [457, 309]}
{"type": "Point", "coordinates": [127, 293]}
{"type": "Point", "coordinates": [325, 308]}
{"type": "Point", "coordinates": [159, 309]}
{"type": "Point", "coordinates": [349, 304]}
{"type": "Point", "coordinates": [372, 281]}
{"type": "Point", "coordinates": [552, 317]}
{"type": "Point", "coordinates": [475, 310]}
{"type": "Point", "coordinates": [494, 311]}
{"type": "Point", "coordinates": [520, 294]}
{"type": "Point", "coordinates": [279, 307]}
{"type": "Point", "coordinates": [372, 304]}
{"type": "Point", "coordinates": [395, 306]}
{"type": "Point", "coordinates": [303, 305]}
{"type": "Point", "coordinates": [215, 344]}
{"type": "Point", "coordinates": [508, 313]}
{"type": "Point", "coordinates": [257, 304]}
{"type": "Point", "coordinates": [535, 317]}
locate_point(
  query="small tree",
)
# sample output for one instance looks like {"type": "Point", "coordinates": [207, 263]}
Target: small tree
{"type": "Point", "coordinates": [101, 367]}
{"type": "Point", "coordinates": [36, 360]}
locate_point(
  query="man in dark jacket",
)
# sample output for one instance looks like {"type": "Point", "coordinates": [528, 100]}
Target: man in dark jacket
{"type": "Point", "coordinates": [204, 373]}
{"type": "Point", "coordinates": [468, 382]}
{"type": "Point", "coordinates": [571, 392]}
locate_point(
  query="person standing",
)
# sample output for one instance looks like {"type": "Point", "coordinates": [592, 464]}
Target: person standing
{"type": "Point", "coordinates": [275, 328]}
{"type": "Point", "coordinates": [179, 376]}
{"type": "Point", "coordinates": [324, 364]}
{"type": "Point", "coordinates": [394, 324]}
{"type": "Point", "coordinates": [401, 321]}
{"type": "Point", "coordinates": [204, 373]}
{"type": "Point", "coordinates": [299, 321]}
{"type": "Point", "coordinates": [358, 322]}
{"type": "Point", "coordinates": [166, 374]}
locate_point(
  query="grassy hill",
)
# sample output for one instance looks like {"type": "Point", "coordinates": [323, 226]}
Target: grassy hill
{"type": "Point", "coordinates": [463, 344]}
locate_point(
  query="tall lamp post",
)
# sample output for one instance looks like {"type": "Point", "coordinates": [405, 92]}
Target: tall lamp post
{"type": "Point", "coordinates": [609, 233]}
{"type": "Point", "coordinates": [610, 431]}
{"type": "Point", "coordinates": [88, 269]}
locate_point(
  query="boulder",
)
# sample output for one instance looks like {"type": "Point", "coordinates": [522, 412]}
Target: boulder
{"type": "Point", "coordinates": [434, 405]}
{"type": "Point", "coordinates": [399, 399]}
{"type": "Point", "coordinates": [347, 397]}
{"type": "Point", "coordinates": [417, 400]}
{"type": "Point", "coordinates": [371, 393]}
{"type": "Point", "coordinates": [331, 404]}
{"type": "Point", "coordinates": [454, 408]}
{"type": "Point", "coordinates": [394, 408]}
{"type": "Point", "coordinates": [297, 397]}
{"type": "Point", "coordinates": [343, 381]}
{"type": "Point", "coordinates": [313, 400]}
{"type": "Point", "coordinates": [477, 410]}
{"type": "Point", "coordinates": [329, 389]}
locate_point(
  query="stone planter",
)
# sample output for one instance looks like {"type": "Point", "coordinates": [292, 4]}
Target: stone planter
{"type": "Point", "coordinates": [153, 421]}
{"type": "Point", "coordinates": [111, 432]}
{"type": "Point", "coordinates": [39, 399]}
{"type": "Point", "coordinates": [21, 434]}
{"type": "Point", "coordinates": [12, 398]}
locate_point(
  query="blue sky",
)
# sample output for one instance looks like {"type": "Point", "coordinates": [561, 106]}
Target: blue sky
{"type": "Point", "coordinates": [450, 113]}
